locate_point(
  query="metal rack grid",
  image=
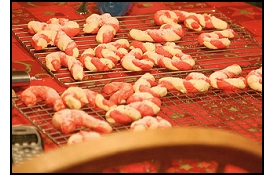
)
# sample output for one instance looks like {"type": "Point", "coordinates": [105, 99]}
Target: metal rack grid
{"type": "Point", "coordinates": [244, 50]}
{"type": "Point", "coordinates": [239, 111]}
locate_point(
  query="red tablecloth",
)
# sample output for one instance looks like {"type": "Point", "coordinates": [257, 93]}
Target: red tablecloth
{"type": "Point", "coordinates": [248, 16]}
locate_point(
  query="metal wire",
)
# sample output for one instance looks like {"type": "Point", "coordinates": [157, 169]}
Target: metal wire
{"type": "Point", "coordinates": [239, 111]}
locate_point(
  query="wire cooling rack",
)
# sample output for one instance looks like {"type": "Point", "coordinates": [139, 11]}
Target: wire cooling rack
{"type": "Point", "coordinates": [244, 49]}
{"type": "Point", "coordinates": [239, 111]}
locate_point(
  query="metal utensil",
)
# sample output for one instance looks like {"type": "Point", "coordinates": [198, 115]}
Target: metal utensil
{"type": "Point", "coordinates": [82, 9]}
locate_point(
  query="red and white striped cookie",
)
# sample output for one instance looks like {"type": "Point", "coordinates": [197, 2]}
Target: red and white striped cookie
{"type": "Point", "coordinates": [125, 114]}
{"type": "Point", "coordinates": [212, 22]}
{"type": "Point", "coordinates": [55, 60]}
{"type": "Point", "coordinates": [223, 79]}
{"type": "Point", "coordinates": [168, 49]}
{"type": "Point", "coordinates": [179, 61]}
{"type": "Point", "coordinates": [150, 122]}
{"type": "Point", "coordinates": [145, 80]}
{"type": "Point", "coordinates": [254, 79]}
{"type": "Point", "coordinates": [43, 38]}
{"type": "Point", "coordinates": [133, 61]}
{"type": "Point", "coordinates": [110, 51]}
{"type": "Point", "coordinates": [105, 26]}
{"type": "Point", "coordinates": [147, 83]}
{"type": "Point", "coordinates": [93, 63]}
{"type": "Point", "coordinates": [32, 94]}
{"type": "Point", "coordinates": [166, 33]}
{"type": "Point", "coordinates": [192, 85]}
{"type": "Point", "coordinates": [74, 97]}
{"type": "Point", "coordinates": [195, 22]}
{"type": "Point", "coordinates": [71, 28]}
{"type": "Point", "coordinates": [122, 115]}
{"type": "Point", "coordinates": [165, 17]}
{"type": "Point", "coordinates": [119, 91]}
{"type": "Point", "coordinates": [98, 100]}
{"type": "Point", "coordinates": [82, 136]}
{"type": "Point", "coordinates": [216, 39]}
{"type": "Point", "coordinates": [146, 107]}
{"type": "Point", "coordinates": [140, 96]}
{"type": "Point", "coordinates": [68, 120]}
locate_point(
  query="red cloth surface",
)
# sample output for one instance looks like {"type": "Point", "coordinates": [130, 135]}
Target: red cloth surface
{"type": "Point", "coordinates": [246, 15]}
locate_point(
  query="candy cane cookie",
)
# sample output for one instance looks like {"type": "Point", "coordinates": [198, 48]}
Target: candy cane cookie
{"type": "Point", "coordinates": [58, 38]}
{"type": "Point", "coordinates": [179, 61]}
{"type": "Point", "coordinates": [119, 91]}
{"type": "Point", "coordinates": [68, 120]}
{"type": "Point", "coordinates": [105, 26]}
{"type": "Point", "coordinates": [254, 79]}
{"type": "Point", "coordinates": [98, 100]}
{"type": "Point", "coordinates": [216, 39]}
{"type": "Point", "coordinates": [112, 51]}
{"type": "Point", "coordinates": [225, 79]}
{"type": "Point", "coordinates": [140, 96]}
{"type": "Point", "coordinates": [191, 20]}
{"type": "Point", "coordinates": [133, 61]}
{"type": "Point", "coordinates": [168, 49]}
{"type": "Point", "coordinates": [74, 97]}
{"type": "Point", "coordinates": [71, 28]}
{"type": "Point", "coordinates": [166, 33]}
{"type": "Point", "coordinates": [125, 114]}
{"type": "Point", "coordinates": [93, 63]}
{"type": "Point", "coordinates": [82, 136]}
{"type": "Point", "coordinates": [165, 17]}
{"type": "Point", "coordinates": [32, 94]}
{"type": "Point", "coordinates": [195, 22]}
{"type": "Point", "coordinates": [150, 122]}
{"type": "Point", "coordinates": [194, 82]}
{"type": "Point", "coordinates": [170, 16]}
{"type": "Point", "coordinates": [122, 115]}
{"type": "Point", "coordinates": [147, 83]}
{"type": "Point", "coordinates": [55, 60]}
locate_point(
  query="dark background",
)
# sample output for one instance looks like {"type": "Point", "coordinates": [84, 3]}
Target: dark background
{"type": "Point", "coordinates": [259, 4]}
